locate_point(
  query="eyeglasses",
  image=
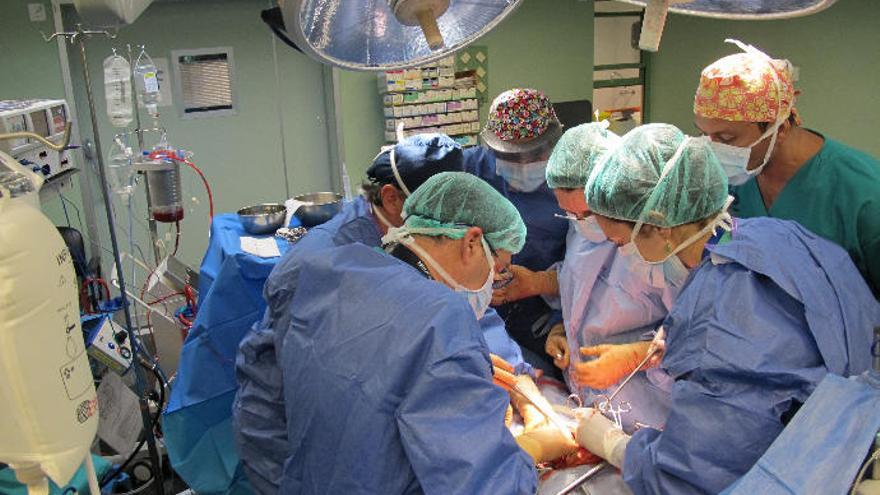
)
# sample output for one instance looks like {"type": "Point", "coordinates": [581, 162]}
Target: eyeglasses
{"type": "Point", "coordinates": [567, 216]}
{"type": "Point", "coordinates": [505, 278]}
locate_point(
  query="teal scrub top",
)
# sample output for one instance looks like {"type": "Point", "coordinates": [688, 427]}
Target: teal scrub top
{"type": "Point", "coordinates": [836, 194]}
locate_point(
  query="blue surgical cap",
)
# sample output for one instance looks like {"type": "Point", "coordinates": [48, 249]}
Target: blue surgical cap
{"type": "Point", "coordinates": [417, 158]}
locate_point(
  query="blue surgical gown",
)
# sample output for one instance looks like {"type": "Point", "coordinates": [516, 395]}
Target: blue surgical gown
{"type": "Point", "coordinates": [822, 448]}
{"type": "Point", "coordinates": [601, 304]}
{"type": "Point", "coordinates": [528, 320]}
{"type": "Point", "coordinates": [388, 385]}
{"type": "Point", "coordinates": [260, 430]}
{"type": "Point", "coordinates": [758, 325]}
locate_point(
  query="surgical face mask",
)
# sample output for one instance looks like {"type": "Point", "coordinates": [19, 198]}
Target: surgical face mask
{"type": "Point", "coordinates": [478, 299]}
{"type": "Point", "coordinates": [588, 228]}
{"type": "Point", "coordinates": [524, 177]}
{"type": "Point", "coordinates": [640, 273]}
{"type": "Point", "coordinates": [735, 159]}
{"type": "Point", "coordinates": [670, 269]}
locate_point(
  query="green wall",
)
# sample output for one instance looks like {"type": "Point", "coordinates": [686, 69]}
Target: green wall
{"type": "Point", "coordinates": [31, 69]}
{"type": "Point", "coordinates": [545, 44]}
{"type": "Point", "coordinates": [30, 66]}
{"type": "Point", "coordinates": [836, 51]}
{"type": "Point", "coordinates": [240, 154]}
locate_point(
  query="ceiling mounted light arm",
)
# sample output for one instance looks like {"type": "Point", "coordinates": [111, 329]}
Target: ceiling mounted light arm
{"type": "Point", "coordinates": [272, 18]}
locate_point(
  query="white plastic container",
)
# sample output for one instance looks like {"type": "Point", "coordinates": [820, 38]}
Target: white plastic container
{"type": "Point", "coordinates": [117, 90]}
{"type": "Point", "coordinates": [50, 408]}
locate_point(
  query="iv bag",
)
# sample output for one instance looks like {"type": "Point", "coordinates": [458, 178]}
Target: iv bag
{"type": "Point", "coordinates": [117, 90]}
{"type": "Point", "coordinates": [147, 82]}
{"type": "Point", "coordinates": [50, 408]}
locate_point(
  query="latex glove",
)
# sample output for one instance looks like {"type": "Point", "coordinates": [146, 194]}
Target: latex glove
{"type": "Point", "coordinates": [532, 417]}
{"type": "Point", "coordinates": [659, 346]}
{"type": "Point", "coordinates": [508, 416]}
{"type": "Point", "coordinates": [602, 437]}
{"type": "Point", "coordinates": [613, 362]}
{"type": "Point", "coordinates": [557, 346]}
{"type": "Point", "coordinates": [546, 444]}
{"type": "Point", "coordinates": [525, 283]}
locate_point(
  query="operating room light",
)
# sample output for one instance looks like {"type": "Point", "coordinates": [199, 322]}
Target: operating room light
{"type": "Point", "coordinates": [656, 10]}
{"type": "Point", "coordinates": [379, 35]}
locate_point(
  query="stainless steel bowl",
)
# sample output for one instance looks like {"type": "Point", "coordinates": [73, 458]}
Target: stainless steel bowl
{"type": "Point", "coordinates": [320, 207]}
{"type": "Point", "coordinates": [264, 218]}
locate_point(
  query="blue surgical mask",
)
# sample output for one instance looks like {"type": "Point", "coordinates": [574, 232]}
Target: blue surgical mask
{"type": "Point", "coordinates": [735, 159]}
{"type": "Point", "coordinates": [524, 177]}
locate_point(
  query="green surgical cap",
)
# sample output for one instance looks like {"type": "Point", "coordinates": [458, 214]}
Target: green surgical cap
{"type": "Point", "coordinates": [577, 151]}
{"type": "Point", "coordinates": [452, 202]}
{"type": "Point", "coordinates": [626, 184]}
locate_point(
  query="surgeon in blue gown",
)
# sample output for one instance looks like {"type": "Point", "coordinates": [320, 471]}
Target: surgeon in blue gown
{"type": "Point", "coordinates": [768, 311]}
{"type": "Point", "coordinates": [387, 379]}
{"type": "Point", "coordinates": [520, 133]}
{"type": "Point", "coordinates": [260, 430]}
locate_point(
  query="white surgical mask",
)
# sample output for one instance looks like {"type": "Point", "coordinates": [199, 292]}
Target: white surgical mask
{"type": "Point", "coordinates": [735, 159]}
{"type": "Point", "coordinates": [478, 299]}
{"type": "Point", "coordinates": [638, 273]}
{"type": "Point", "coordinates": [524, 177]}
{"type": "Point", "coordinates": [723, 221]}
{"type": "Point", "coordinates": [588, 228]}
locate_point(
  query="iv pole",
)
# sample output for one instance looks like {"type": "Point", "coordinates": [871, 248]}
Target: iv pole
{"type": "Point", "coordinates": [78, 36]}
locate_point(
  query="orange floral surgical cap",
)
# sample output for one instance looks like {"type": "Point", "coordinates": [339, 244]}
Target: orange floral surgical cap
{"type": "Point", "coordinates": [746, 87]}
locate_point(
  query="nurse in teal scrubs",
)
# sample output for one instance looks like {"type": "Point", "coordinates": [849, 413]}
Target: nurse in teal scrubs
{"type": "Point", "coordinates": [745, 104]}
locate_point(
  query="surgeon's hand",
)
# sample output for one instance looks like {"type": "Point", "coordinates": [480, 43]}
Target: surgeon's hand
{"type": "Point", "coordinates": [557, 346]}
{"type": "Point", "coordinates": [522, 283]}
{"type": "Point", "coordinates": [546, 444]}
{"type": "Point", "coordinates": [613, 362]}
{"type": "Point", "coordinates": [658, 346]}
{"type": "Point", "coordinates": [532, 416]}
{"type": "Point", "coordinates": [602, 437]}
